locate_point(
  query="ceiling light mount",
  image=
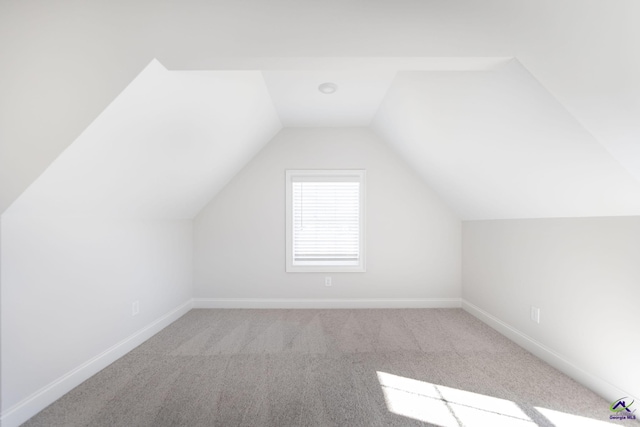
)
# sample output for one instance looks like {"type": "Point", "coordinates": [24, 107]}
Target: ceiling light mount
{"type": "Point", "coordinates": [328, 88]}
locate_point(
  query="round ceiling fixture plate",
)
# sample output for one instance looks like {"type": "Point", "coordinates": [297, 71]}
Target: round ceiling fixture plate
{"type": "Point", "coordinates": [328, 88]}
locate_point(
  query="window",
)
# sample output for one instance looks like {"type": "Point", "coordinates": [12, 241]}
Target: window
{"type": "Point", "coordinates": [325, 220]}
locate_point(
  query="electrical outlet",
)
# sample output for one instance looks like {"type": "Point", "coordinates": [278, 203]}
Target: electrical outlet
{"type": "Point", "coordinates": [327, 281]}
{"type": "Point", "coordinates": [135, 308]}
{"type": "Point", "coordinates": [535, 314]}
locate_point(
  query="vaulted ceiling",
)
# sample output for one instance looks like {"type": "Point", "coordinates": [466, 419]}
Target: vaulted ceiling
{"type": "Point", "coordinates": [497, 144]}
{"type": "Point", "coordinates": [162, 149]}
{"type": "Point", "coordinates": [506, 109]}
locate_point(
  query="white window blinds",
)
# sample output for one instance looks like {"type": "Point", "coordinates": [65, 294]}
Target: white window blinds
{"type": "Point", "coordinates": [326, 222]}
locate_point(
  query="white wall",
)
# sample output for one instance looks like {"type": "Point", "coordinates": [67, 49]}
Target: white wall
{"type": "Point", "coordinates": [583, 275]}
{"type": "Point", "coordinates": [68, 285]}
{"type": "Point", "coordinates": [413, 240]}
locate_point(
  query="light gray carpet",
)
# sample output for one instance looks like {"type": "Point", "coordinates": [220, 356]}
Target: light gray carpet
{"type": "Point", "coordinates": [326, 368]}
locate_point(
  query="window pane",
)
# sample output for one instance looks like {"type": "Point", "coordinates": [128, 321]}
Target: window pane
{"type": "Point", "coordinates": [326, 222]}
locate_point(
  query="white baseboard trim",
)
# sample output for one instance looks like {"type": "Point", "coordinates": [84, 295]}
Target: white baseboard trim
{"type": "Point", "coordinates": [605, 389]}
{"type": "Point", "coordinates": [326, 303]}
{"type": "Point", "coordinates": [27, 408]}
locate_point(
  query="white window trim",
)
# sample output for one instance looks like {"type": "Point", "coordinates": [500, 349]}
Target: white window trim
{"type": "Point", "coordinates": [290, 267]}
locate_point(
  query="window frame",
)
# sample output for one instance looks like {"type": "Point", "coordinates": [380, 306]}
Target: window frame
{"type": "Point", "coordinates": [334, 174]}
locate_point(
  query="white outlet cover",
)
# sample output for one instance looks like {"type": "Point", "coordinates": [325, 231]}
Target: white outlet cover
{"type": "Point", "coordinates": [535, 314]}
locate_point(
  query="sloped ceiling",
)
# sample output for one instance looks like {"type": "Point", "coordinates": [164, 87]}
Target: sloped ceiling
{"type": "Point", "coordinates": [162, 149]}
{"type": "Point", "coordinates": [362, 83]}
{"type": "Point", "coordinates": [568, 106]}
{"type": "Point", "coordinates": [491, 140]}
{"type": "Point", "coordinates": [496, 144]}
